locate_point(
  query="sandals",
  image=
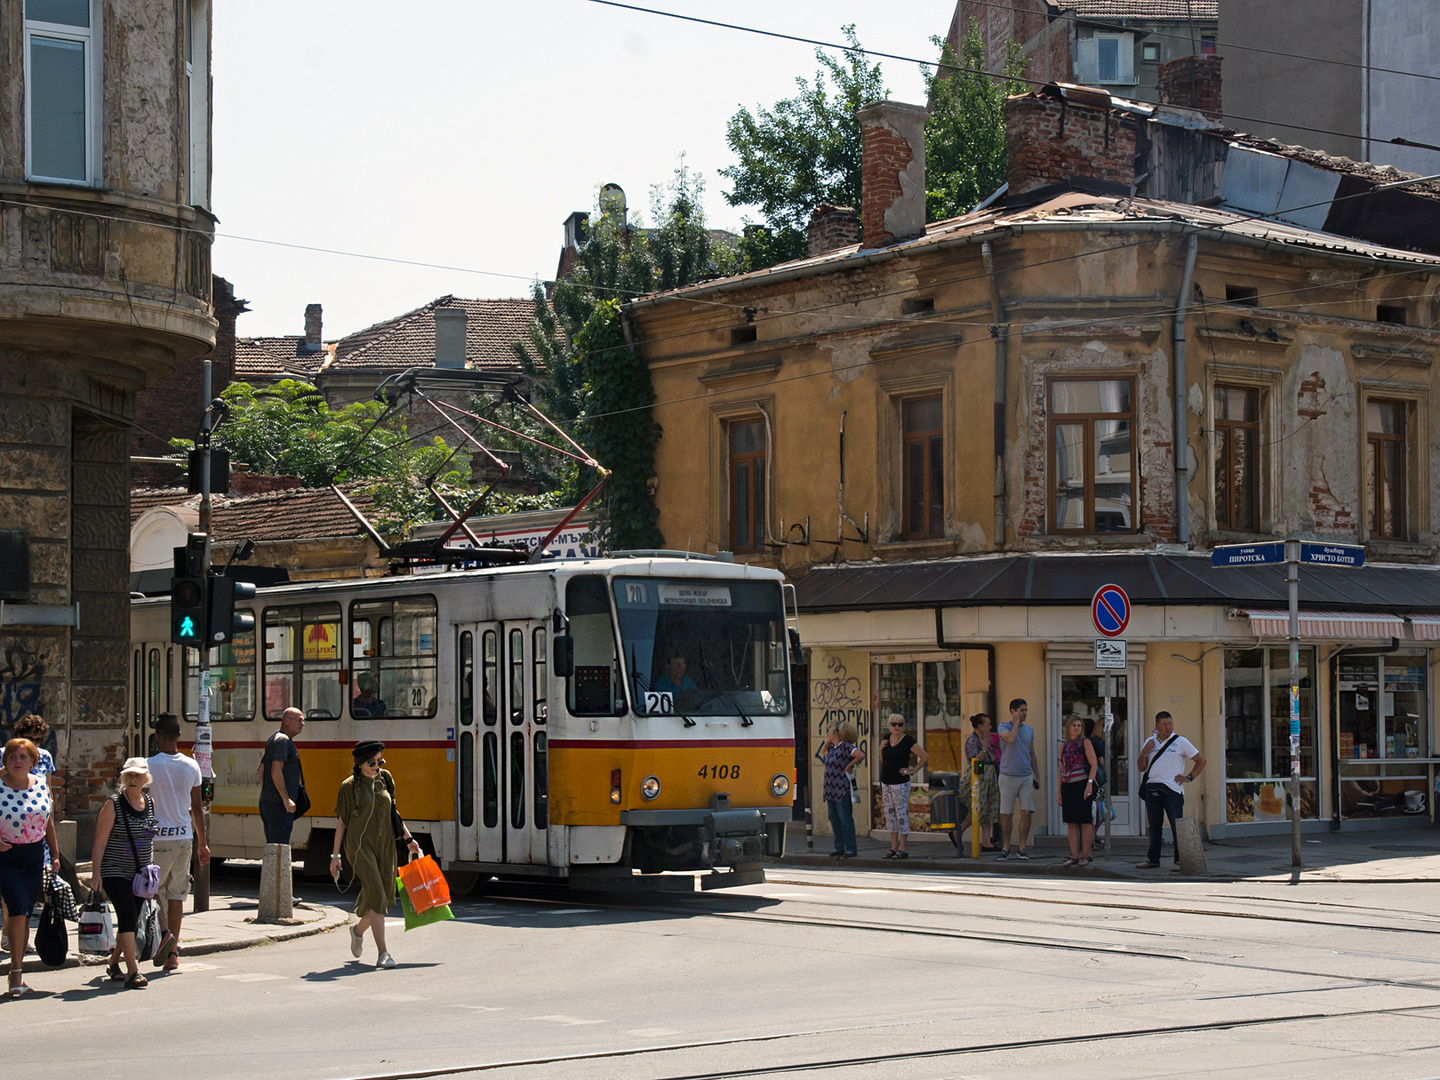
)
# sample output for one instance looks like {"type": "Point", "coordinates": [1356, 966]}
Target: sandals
{"type": "Point", "coordinates": [892, 854]}
{"type": "Point", "coordinates": [18, 989]}
{"type": "Point", "coordinates": [168, 943]}
{"type": "Point", "coordinates": [1083, 862]}
{"type": "Point", "coordinates": [114, 973]}
{"type": "Point", "coordinates": [902, 854]}
{"type": "Point", "coordinates": [1071, 861]}
{"type": "Point", "coordinates": [136, 981]}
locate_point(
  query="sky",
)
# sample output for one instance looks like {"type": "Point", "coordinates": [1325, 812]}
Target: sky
{"type": "Point", "coordinates": [462, 134]}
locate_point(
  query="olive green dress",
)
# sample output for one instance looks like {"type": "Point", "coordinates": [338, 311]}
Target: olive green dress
{"type": "Point", "coordinates": [364, 806]}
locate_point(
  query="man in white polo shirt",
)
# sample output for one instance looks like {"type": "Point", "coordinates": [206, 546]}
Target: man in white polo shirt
{"type": "Point", "coordinates": [175, 788]}
{"type": "Point", "coordinates": [1162, 786]}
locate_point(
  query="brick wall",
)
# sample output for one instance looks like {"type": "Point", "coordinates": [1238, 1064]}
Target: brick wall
{"type": "Point", "coordinates": [833, 227]}
{"type": "Point", "coordinates": [1192, 82]}
{"type": "Point", "coordinates": [1048, 140]}
{"type": "Point", "coordinates": [892, 172]}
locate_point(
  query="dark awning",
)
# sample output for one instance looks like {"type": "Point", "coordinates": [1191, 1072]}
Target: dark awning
{"type": "Point", "coordinates": [1148, 578]}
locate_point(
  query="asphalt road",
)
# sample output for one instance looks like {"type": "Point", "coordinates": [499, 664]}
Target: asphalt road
{"type": "Point", "coordinates": [826, 972]}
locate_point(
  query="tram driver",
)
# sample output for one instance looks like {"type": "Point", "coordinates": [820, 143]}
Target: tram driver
{"type": "Point", "coordinates": [367, 702]}
{"type": "Point", "coordinates": [673, 679]}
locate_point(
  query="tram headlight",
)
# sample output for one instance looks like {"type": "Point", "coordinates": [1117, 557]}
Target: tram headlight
{"type": "Point", "coordinates": [780, 786]}
{"type": "Point", "coordinates": [650, 787]}
{"type": "Point", "coordinates": [615, 786]}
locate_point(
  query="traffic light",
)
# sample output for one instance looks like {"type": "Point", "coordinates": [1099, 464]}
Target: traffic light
{"type": "Point", "coordinates": [224, 621]}
{"type": "Point", "coordinates": [187, 611]}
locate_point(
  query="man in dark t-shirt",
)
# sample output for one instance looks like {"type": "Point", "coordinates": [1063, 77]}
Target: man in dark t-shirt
{"type": "Point", "coordinates": [280, 778]}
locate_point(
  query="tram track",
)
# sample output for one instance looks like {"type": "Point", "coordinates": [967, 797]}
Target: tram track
{"type": "Point", "coordinates": [632, 1054]}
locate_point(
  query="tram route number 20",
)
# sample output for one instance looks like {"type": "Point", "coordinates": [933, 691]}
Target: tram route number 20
{"type": "Point", "coordinates": [719, 772]}
{"type": "Point", "coordinates": [659, 703]}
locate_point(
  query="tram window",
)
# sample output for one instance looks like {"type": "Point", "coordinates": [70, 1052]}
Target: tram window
{"type": "Point", "coordinates": [516, 704]}
{"type": "Point", "coordinates": [594, 689]}
{"type": "Point", "coordinates": [153, 706]}
{"type": "Point", "coordinates": [538, 696]}
{"type": "Point", "coordinates": [466, 696]}
{"type": "Point", "coordinates": [467, 778]}
{"type": "Point", "coordinates": [137, 681]}
{"type": "Point", "coordinates": [394, 657]}
{"type": "Point", "coordinates": [490, 794]}
{"type": "Point", "coordinates": [232, 680]}
{"type": "Point", "coordinates": [491, 673]}
{"type": "Point", "coordinates": [517, 779]}
{"type": "Point", "coordinates": [542, 782]}
{"type": "Point", "coordinates": [170, 680]}
{"type": "Point", "coordinates": [302, 660]}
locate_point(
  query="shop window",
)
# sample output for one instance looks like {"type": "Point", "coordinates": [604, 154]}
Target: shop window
{"type": "Point", "coordinates": [302, 661]}
{"type": "Point", "coordinates": [1385, 479]}
{"type": "Point", "coordinates": [747, 478]}
{"type": "Point", "coordinates": [61, 51]}
{"type": "Point", "coordinates": [924, 456]}
{"type": "Point", "coordinates": [1237, 458]}
{"type": "Point", "coordinates": [1092, 457]}
{"type": "Point", "coordinates": [232, 680]}
{"type": "Point", "coordinates": [1383, 734]}
{"type": "Point", "coordinates": [1257, 734]}
{"type": "Point", "coordinates": [393, 658]}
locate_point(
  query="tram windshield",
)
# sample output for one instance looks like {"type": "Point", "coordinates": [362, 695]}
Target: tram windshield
{"type": "Point", "coordinates": [702, 647]}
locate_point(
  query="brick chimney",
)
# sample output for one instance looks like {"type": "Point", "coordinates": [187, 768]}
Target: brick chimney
{"type": "Point", "coordinates": [833, 227]}
{"type": "Point", "coordinates": [1054, 135]}
{"type": "Point", "coordinates": [450, 327]}
{"type": "Point", "coordinates": [313, 341]}
{"type": "Point", "coordinates": [892, 172]}
{"type": "Point", "coordinates": [1192, 82]}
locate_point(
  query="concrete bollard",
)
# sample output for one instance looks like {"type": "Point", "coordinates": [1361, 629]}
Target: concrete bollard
{"type": "Point", "coordinates": [66, 834]}
{"type": "Point", "coordinates": [1190, 850]}
{"type": "Point", "coordinates": [277, 894]}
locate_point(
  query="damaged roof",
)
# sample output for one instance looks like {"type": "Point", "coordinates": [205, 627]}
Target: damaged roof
{"type": "Point", "coordinates": [295, 514]}
{"type": "Point", "coordinates": [1169, 10]}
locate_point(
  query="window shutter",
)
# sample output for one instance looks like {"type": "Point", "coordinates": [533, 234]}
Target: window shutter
{"type": "Point", "coordinates": [1087, 61]}
{"type": "Point", "coordinates": [1127, 58]}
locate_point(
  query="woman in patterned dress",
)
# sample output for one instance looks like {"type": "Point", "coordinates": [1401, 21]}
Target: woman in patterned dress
{"type": "Point", "coordinates": [27, 821]}
{"type": "Point", "coordinates": [841, 757]}
{"type": "Point", "coordinates": [982, 752]}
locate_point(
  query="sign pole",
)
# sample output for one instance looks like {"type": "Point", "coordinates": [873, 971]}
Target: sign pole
{"type": "Point", "coordinates": [202, 717]}
{"type": "Point", "coordinates": [1292, 579]}
{"type": "Point", "coordinates": [1109, 723]}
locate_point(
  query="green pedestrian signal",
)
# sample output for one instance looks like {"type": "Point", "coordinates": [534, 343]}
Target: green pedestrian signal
{"type": "Point", "coordinates": [187, 610]}
{"type": "Point", "coordinates": [187, 628]}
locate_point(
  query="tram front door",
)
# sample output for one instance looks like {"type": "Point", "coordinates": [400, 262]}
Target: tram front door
{"type": "Point", "coordinates": [502, 783]}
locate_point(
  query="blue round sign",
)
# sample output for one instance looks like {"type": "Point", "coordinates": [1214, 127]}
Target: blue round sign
{"type": "Point", "coordinates": [1110, 609]}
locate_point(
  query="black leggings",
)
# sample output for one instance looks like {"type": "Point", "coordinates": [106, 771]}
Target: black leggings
{"type": "Point", "coordinates": [127, 904]}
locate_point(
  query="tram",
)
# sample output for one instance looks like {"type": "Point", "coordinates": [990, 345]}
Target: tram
{"type": "Point", "coordinates": [601, 721]}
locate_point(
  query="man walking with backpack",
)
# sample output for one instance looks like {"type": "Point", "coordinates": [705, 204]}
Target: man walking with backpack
{"type": "Point", "coordinates": [180, 816]}
{"type": "Point", "coordinates": [1162, 785]}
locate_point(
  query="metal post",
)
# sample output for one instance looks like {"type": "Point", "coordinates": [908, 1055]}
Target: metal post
{"type": "Point", "coordinates": [202, 706]}
{"type": "Point", "coordinates": [1109, 724]}
{"type": "Point", "coordinates": [974, 808]}
{"type": "Point", "coordinates": [1292, 578]}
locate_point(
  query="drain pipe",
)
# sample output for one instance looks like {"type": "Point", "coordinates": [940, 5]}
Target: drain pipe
{"type": "Point", "coordinates": [1181, 442]}
{"type": "Point", "coordinates": [999, 330]}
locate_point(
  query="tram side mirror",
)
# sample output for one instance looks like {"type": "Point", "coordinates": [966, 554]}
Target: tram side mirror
{"type": "Point", "coordinates": [564, 655]}
{"type": "Point", "coordinates": [797, 658]}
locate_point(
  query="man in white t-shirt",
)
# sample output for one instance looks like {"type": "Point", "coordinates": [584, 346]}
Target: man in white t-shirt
{"type": "Point", "coordinates": [1163, 759]}
{"type": "Point", "coordinates": [180, 815]}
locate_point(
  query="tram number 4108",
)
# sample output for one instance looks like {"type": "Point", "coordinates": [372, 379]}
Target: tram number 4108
{"type": "Point", "coordinates": [719, 772]}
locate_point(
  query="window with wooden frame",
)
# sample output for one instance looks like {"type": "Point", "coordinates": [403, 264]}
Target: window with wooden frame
{"type": "Point", "coordinates": [1092, 456]}
{"type": "Point", "coordinates": [1385, 479]}
{"type": "Point", "coordinates": [747, 469]}
{"type": "Point", "coordinates": [922, 423]}
{"type": "Point", "coordinates": [1237, 458]}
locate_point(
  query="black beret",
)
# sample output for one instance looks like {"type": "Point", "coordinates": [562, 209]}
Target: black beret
{"type": "Point", "coordinates": [367, 748]}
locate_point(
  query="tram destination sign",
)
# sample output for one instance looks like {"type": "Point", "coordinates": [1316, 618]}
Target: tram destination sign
{"type": "Point", "coordinates": [1248, 554]}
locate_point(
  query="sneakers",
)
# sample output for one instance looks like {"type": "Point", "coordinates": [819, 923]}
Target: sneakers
{"type": "Point", "coordinates": [357, 943]}
{"type": "Point", "coordinates": [1004, 853]}
{"type": "Point", "coordinates": [1023, 854]}
{"type": "Point", "coordinates": [385, 961]}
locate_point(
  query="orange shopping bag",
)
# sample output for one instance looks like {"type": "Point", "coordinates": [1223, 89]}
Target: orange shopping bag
{"type": "Point", "coordinates": [425, 884]}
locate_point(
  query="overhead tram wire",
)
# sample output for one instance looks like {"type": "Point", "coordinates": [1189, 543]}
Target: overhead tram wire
{"type": "Point", "coordinates": [958, 67]}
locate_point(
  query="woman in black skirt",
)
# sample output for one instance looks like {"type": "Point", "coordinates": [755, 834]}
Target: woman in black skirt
{"type": "Point", "coordinates": [27, 821]}
{"type": "Point", "coordinates": [1076, 794]}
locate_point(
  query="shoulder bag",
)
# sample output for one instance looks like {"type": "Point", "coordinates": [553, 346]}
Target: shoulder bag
{"type": "Point", "coordinates": [1145, 776]}
{"type": "Point", "coordinates": [52, 940]}
{"type": "Point", "coordinates": [146, 882]}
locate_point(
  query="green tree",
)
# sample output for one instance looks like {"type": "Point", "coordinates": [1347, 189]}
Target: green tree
{"type": "Point", "coordinates": [965, 134]}
{"type": "Point", "coordinates": [801, 152]}
{"type": "Point", "coordinates": [289, 429]}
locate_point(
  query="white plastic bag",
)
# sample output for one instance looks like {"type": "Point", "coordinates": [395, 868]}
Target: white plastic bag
{"type": "Point", "coordinates": [97, 927]}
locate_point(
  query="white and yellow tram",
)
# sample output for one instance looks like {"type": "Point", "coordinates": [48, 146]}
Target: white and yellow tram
{"type": "Point", "coordinates": [528, 713]}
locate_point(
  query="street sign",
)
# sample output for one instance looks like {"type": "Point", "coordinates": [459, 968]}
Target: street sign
{"type": "Point", "coordinates": [1111, 654]}
{"type": "Point", "coordinates": [1351, 555]}
{"type": "Point", "coordinates": [1248, 554]}
{"type": "Point", "coordinates": [1110, 610]}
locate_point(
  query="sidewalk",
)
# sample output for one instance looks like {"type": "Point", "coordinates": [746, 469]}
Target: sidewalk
{"type": "Point", "coordinates": [229, 924]}
{"type": "Point", "coordinates": [1404, 855]}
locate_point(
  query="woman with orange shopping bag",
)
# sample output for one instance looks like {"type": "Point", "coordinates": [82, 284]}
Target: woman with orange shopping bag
{"type": "Point", "coordinates": [369, 827]}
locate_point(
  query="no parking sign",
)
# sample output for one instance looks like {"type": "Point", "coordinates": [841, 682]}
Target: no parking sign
{"type": "Point", "coordinates": [1110, 610]}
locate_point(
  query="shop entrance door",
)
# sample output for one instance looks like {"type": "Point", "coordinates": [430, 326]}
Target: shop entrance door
{"type": "Point", "coordinates": [1081, 692]}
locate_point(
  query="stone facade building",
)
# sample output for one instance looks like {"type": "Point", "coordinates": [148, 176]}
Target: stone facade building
{"type": "Point", "coordinates": [105, 238]}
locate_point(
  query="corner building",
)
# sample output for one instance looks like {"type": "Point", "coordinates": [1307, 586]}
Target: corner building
{"type": "Point", "coordinates": [105, 235]}
{"type": "Point", "coordinates": [950, 435]}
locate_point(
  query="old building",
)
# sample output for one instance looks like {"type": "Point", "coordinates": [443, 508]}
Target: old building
{"type": "Point", "coordinates": [105, 236]}
{"type": "Point", "coordinates": [951, 435]}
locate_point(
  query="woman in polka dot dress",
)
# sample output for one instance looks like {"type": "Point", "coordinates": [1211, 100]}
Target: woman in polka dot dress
{"type": "Point", "coordinates": [26, 823]}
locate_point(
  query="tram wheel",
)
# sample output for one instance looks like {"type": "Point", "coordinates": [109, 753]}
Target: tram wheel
{"type": "Point", "coordinates": [466, 882]}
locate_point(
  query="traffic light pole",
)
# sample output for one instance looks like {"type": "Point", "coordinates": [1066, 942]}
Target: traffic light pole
{"type": "Point", "coordinates": [202, 717]}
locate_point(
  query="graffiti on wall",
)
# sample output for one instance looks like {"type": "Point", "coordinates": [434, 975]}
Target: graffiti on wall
{"type": "Point", "coordinates": [20, 682]}
{"type": "Point", "coordinates": [839, 692]}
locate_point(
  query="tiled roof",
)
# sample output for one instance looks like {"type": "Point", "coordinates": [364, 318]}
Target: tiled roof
{"type": "Point", "coordinates": [269, 357]}
{"type": "Point", "coordinates": [1208, 10]}
{"type": "Point", "coordinates": [298, 514]}
{"type": "Point", "coordinates": [408, 340]}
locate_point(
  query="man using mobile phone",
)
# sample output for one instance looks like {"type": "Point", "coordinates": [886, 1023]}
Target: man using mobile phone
{"type": "Point", "coordinates": [1019, 776]}
{"type": "Point", "coordinates": [1162, 785]}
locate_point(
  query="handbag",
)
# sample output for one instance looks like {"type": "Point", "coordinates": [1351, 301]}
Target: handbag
{"type": "Point", "coordinates": [146, 882]}
{"type": "Point", "coordinates": [439, 913]}
{"type": "Point", "coordinates": [52, 939]}
{"type": "Point", "coordinates": [854, 789]}
{"type": "Point", "coordinates": [425, 885]}
{"type": "Point", "coordinates": [96, 933]}
{"type": "Point", "coordinates": [147, 930]}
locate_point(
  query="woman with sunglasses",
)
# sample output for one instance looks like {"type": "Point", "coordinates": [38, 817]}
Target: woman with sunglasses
{"type": "Point", "coordinates": [895, 751]}
{"type": "Point", "coordinates": [369, 826]}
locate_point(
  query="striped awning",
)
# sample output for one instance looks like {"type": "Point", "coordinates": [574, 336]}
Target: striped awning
{"type": "Point", "coordinates": [1328, 624]}
{"type": "Point", "coordinates": [1425, 627]}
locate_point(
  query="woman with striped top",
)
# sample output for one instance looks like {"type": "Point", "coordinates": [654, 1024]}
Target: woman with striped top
{"type": "Point", "coordinates": [123, 831]}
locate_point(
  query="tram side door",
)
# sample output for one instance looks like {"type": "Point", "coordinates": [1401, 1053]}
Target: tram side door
{"type": "Point", "coordinates": [524, 754]}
